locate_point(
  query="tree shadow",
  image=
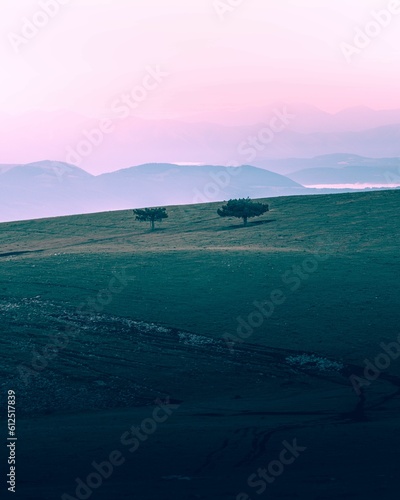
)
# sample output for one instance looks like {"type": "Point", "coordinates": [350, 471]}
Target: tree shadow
{"type": "Point", "coordinates": [249, 225]}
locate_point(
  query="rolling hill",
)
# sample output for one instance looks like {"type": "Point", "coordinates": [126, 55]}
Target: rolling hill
{"type": "Point", "coordinates": [113, 321]}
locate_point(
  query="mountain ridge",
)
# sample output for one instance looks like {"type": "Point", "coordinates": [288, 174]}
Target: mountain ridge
{"type": "Point", "coordinates": [52, 188]}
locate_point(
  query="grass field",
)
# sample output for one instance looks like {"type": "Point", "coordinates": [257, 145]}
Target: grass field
{"type": "Point", "coordinates": [141, 316]}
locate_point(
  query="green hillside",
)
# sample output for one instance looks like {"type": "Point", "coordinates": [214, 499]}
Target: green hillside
{"type": "Point", "coordinates": [145, 315]}
{"type": "Point", "coordinates": [199, 272]}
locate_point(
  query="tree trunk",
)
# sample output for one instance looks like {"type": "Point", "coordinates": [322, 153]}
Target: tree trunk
{"type": "Point", "coordinates": [244, 221]}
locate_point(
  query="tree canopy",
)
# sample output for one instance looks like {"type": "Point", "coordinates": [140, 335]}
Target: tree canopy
{"type": "Point", "coordinates": [243, 208]}
{"type": "Point", "coordinates": [151, 215]}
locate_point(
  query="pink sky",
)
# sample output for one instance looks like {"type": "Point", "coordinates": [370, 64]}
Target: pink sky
{"type": "Point", "coordinates": [92, 52]}
{"type": "Point", "coordinates": [262, 51]}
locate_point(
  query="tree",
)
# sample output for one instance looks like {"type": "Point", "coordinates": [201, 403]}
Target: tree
{"type": "Point", "coordinates": [151, 215]}
{"type": "Point", "coordinates": [243, 208]}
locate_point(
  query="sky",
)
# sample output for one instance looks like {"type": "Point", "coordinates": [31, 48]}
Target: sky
{"type": "Point", "coordinates": [216, 55]}
{"type": "Point", "coordinates": [192, 59]}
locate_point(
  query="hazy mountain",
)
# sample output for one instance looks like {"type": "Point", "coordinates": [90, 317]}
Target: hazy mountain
{"type": "Point", "coordinates": [374, 176]}
{"type": "Point", "coordinates": [360, 118]}
{"type": "Point", "coordinates": [46, 189]}
{"type": "Point", "coordinates": [170, 184]}
{"type": "Point", "coordinates": [380, 142]}
{"type": "Point", "coordinates": [43, 173]}
{"type": "Point", "coordinates": [308, 119]}
{"type": "Point", "coordinates": [179, 142]}
{"type": "Point", "coordinates": [5, 168]}
{"type": "Point", "coordinates": [50, 188]}
{"type": "Point", "coordinates": [338, 160]}
{"type": "Point", "coordinates": [202, 138]}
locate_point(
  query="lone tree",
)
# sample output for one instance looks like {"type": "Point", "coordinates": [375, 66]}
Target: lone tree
{"type": "Point", "coordinates": [243, 208]}
{"type": "Point", "coordinates": [151, 215]}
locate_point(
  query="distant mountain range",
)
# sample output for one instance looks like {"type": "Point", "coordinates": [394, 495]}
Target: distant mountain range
{"type": "Point", "coordinates": [48, 188]}
{"type": "Point", "coordinates": [348, 175]}
{"type": "Point", "coordinates": [221, 138]}
{"type": "Point", "coordinates": [337, 161]}
{"type": "Point", "coordinates": [51, 188]}
{"type": "Point", "coordinates": [308, 119]}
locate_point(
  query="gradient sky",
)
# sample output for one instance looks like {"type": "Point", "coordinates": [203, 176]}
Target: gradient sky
{"type": "Point", "coordinates": [262, 51]}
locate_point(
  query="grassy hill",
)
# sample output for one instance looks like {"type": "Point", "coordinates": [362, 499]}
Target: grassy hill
{"type": "Point", "coordinates": [199, 272]}
{"type": "Point", "coordinates": [145, 315]}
